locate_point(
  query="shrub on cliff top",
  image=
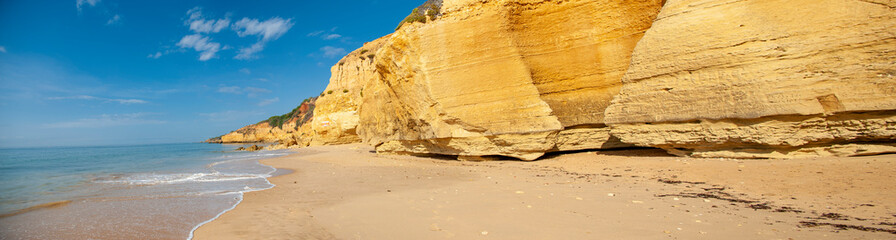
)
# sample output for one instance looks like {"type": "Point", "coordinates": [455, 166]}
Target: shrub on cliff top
{"type": "Point", "coordinates": [430, 10]}
{"type": "Point", "coordinates": [278, 121]}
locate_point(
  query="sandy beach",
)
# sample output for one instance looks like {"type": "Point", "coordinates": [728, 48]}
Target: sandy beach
{"type": "Point", "coordinates": [349, 192]}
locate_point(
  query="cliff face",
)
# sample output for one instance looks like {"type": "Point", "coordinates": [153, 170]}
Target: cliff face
{"type": "Point", "coordinates": [704, 78]}
{"type": "Point", "coordinates": [511, 78]}
{"type": "Point", "coordinates": [763, 78]}
{"type": "Point", "coordinates": [284, 129]}
{"type": "Point", "coordinates": [336, 115]}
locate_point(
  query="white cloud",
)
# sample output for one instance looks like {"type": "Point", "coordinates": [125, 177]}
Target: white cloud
{"type": "Point", "coordinates": [2, 49]}
{"type": "Point", "coordinates": [199, 24]}
{"type": "Point", "coordinates": [268, 101]}
{"type": "Point", "coordinates": [87, 97]}
{"type": "Point", "coordinates": [315, 33]}
{"type": "Point", "coordinates": [115, 19]}
{"type": "Point", "coordinates": [267, 30]}
{"type": "Point", "coordinates": [207, 26]}
{"type": "Point", "coordinates": [270, 29]}
{"type": "Point", "coordinates": [326, 35]}
{"type": "Point", "coordinates": [249, 52]}
{"type": "Point", "coordinates": [331, 36]}
{"type": "Point", "coordinates": [108, 120]}
{"type": "Point", "coordinates": [128, 101]}
{"type": "Point", "coordinates": [202, 26]}
{"type": "Point", "coordinates": [79, 97]}
{"type": "Point", "coordinates": [81, 3]}
{"type": "Point", "coordinates": [156, 55]}
{"type": "Point", "coordinates": [332, 52]}
{"type": "Point", "coordinates": [245, 71]}
{"type": "Point", "coordinates": [195, 13]}
{"type": "Point", "coordinates": [203, 45]}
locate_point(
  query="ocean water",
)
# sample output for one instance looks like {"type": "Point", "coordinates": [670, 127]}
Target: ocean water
{"type": "Point", "coordinates": [123, 192]}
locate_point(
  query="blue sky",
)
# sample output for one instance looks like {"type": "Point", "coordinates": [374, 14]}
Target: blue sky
{"type": "Point", "coordinates": [111, 72]}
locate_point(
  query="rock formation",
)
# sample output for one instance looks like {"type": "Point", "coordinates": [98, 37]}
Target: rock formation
{"type": "Point", "coordinates": [284, 129]}
{"type": "Point", "coordinates": [703, 78]}
{"type": "Point", "coordinates": [510, 78]}
{"type": "Point", "coordinates": [765, 78]}
{"type": "Point", "coordinates": [336, 115]}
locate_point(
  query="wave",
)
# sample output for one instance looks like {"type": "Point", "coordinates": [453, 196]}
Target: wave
{"type": "Point", "coordinates": [251, 156]}
{"type": "Point", "coordinates": [176, 178]}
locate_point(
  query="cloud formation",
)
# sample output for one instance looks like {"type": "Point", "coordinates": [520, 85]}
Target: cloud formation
{"type": "Point", "coordinates": [82, 3]}
{"type": "Point", "coordinates": [156, 55]}
{"type": "Point", "coordinates": [2, 49]}
{"type": "Point", "coordinates": [270, 29]}
{"type": "Point", "coordinates": [114, 20]}
{"type": "Point", "coordinates": [332, 52]}
{"type": "Point", "coordinates": [92, 98]}
{"type": "Point", "coordinates": [249, 52]}
{"type": "Point", "coordinates": [198, 24]}
{"type": "Point", "coordinates": [201, 44]}
{"type": "Point", "coordinates": [332, 36]}
{"type": "Point", "coordinates": [326, 35]}
{"type": "Point", "coordinates": [266, 31]}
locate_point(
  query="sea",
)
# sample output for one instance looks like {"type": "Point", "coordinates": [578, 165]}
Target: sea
{"type": "Point", "coordinates": [162, 191]}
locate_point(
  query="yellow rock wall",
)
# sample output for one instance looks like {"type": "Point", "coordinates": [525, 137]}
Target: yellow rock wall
{"type": "Point", "coordinates": [336, 112]}
{"type": "Point", "coordinates": [512, 78]}
{"type": "Point", "coordinates": [703, 78]}
{"type": "Point", "coordinates": [763, 78]}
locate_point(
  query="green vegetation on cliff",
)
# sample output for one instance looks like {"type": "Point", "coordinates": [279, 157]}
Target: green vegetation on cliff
{"type": "Point", "coordinates": [430, 10]}
{"type": "Point", "coordinates": [302, 117]}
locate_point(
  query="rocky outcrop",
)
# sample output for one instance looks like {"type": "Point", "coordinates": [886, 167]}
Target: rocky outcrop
{"type": "Point", "coordinates": [703, 78]}
{"type": "Point", "coordinates": [252, 148]}
{"type": "Point", "coordinates": [763, 78]}
{"type": "Point", "coordinates": [284, 129]}
{"type": "Point", "coordinates": [336, 115]}
{"type": "Point", "coordinates": [511, 78]}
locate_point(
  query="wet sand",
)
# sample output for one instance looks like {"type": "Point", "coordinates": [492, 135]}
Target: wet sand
{"type": "Point", "coordinates": [348, 192]}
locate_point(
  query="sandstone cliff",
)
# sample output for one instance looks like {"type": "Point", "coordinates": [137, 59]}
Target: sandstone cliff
{"type": "Point", "coordinates": [284, 129]}
{"type": "Point", "coordinates": [703, 78]}
{"type": "Point", "coordinates": [336, 115]}
{"type": "Point", "coordinates": [763, 78]}
{"type": "Point", "coordinates": [510, 78]}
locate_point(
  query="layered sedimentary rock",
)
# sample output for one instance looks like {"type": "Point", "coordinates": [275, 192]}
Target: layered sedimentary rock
{"type": "Point", "coordinates": [336, 115]}
{"type": "Point", "coordinates": [703, 78]}
{"type": "Point", "coordinates": [763, 78]}
{"type": "Point", "coordinates": [283, 129]}
{"type": "Point", "coordinates": [512, 78]}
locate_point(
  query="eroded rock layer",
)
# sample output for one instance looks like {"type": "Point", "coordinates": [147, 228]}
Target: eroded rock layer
{"type": "Point", "coordinates": [336, 115]}
{"type": "Point", "coordinates": [511, 78]}
{"type": "Point", "coordinates": [763, 78]}
{"type": "Point", "coordinates": [283, 129]}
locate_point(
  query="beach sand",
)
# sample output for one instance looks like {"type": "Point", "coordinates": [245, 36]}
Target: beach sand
{"type": "Point", "coordinates": [349, 192]}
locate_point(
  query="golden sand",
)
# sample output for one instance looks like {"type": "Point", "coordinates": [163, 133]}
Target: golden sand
{"type": "Point", "coordinates": [348, 192]}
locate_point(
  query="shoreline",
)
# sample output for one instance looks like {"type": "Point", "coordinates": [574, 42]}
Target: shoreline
{"type": "Point", "coordinates": [242, 194]}
{"type": "Point", "coordinates": [348, 192]}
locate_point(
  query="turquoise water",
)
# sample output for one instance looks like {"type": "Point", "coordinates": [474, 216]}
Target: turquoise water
{"type": "Point", "coordinates": [123, 192]}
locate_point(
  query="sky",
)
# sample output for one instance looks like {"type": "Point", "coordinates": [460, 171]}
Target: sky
{"type": "Point", "coordinates": [114, 72]}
